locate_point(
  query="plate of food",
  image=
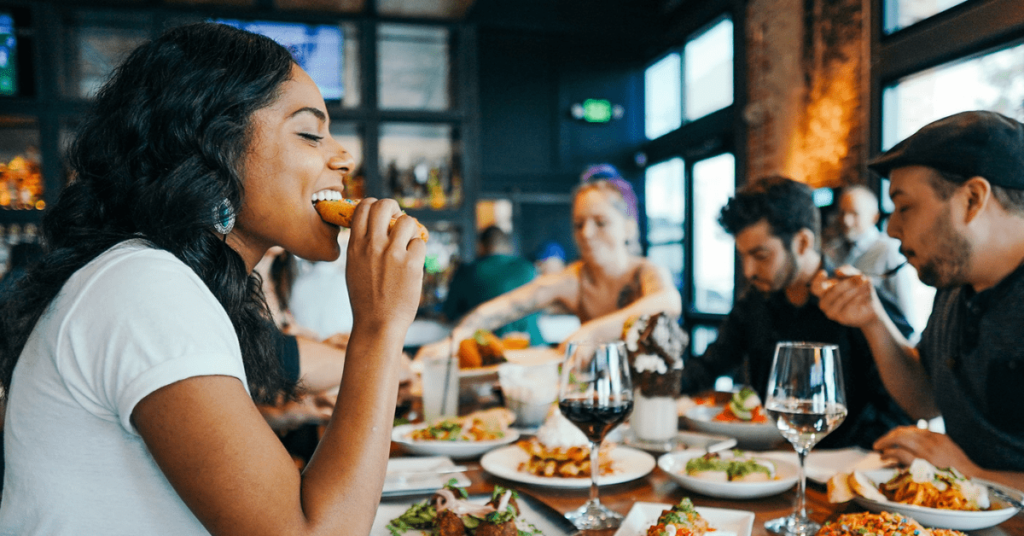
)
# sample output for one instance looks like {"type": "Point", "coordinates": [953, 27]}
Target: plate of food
{"type": "Point", "coordinates": [482, 354]}
{"type": "Point", "coordinates": [459, 437]}
{"type": "Point", "coordinates": [503, 511]}
{"type": "Point", "coordinates": [860, 524]}
{"type": "Point", "coordinates": [621, 464]}
{"type": "Point", "coordinates": [743, 417]}
{"type": "Point", "coordinates": [558, 456]}
{"type": "Point", "coordinates": [729, 474]}
{"type": "Point", "coordinates": [646, 518]}
{"type": "Point", "coordinates": [942, 498]}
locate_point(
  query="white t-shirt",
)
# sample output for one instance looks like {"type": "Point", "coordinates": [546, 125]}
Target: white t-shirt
{"type": "Point", "coordinates": [133, 320]}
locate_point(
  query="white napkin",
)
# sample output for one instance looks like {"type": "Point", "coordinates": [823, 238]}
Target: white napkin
{"type": "Point", "coordinates": [822, 464]}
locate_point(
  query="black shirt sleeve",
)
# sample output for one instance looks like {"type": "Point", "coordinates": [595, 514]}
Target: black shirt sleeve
{"type": "Point", "coordinates": [288, 354]}
{"type": "Point", "coordinates": [721, 356]}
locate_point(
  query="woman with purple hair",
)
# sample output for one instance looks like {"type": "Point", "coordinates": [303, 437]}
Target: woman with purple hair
{"type": "Point", "coordinates": [608, 285]}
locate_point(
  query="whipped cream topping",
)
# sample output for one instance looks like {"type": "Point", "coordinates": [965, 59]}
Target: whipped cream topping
{"type": "Point", "coordinates": [650, 363]}
{"type": "Point", "coordinates": [558, 432]}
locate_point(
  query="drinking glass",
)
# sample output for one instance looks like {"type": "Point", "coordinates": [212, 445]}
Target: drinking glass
{"type": "Point", "coordinates": [807, 401]}
{"type": "Point", "coordinates": [595, 393]}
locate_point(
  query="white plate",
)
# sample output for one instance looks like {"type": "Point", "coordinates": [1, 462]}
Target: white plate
{"type": "Point", "coordinates": [726, 522]}
{"type": "Point", "coordinates": [532, 511]}
{"type": "Point", "coordinates": [627, 464]}
{"type": "Point", "coordinates": [454, 449]}
{"type": "Point", "coordinates": [946, 519]}
{"type": "Point", "coordinates": [674, 464]}
{"type": "Point", "coordinates": [419, 483]}
{"type": "Point", "coordinates": [749, 435]}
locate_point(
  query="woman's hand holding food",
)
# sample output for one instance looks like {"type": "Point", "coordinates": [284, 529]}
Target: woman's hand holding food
{"type": "Point", "coordinates": [384, 270]}
{"type": "Point", "coordinates": [848, 298]}
{"type": "Point", "coordinates": [905, 443]}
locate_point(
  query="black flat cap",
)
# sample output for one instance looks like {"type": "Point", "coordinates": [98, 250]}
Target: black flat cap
{"type": "Point", "coordinates": [971, 144]}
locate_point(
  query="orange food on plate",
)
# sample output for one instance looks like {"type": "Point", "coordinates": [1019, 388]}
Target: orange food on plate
{"type": "Point", "coordinates": [516, 340]}
{"type": "Point", "coordinates": [483, 349]}
{"type": "Point", "coordinates": [880, 524]}
{"type": "Point", "coordinates": [758, 416]}
{"type": "Point", "coordinates": [745, 406]}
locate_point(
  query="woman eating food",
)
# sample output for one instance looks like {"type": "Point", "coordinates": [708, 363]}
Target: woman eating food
{"type": "Point", "coordinates": [604, 288]}
{"type": "Point", "coordinates": [133, 357]}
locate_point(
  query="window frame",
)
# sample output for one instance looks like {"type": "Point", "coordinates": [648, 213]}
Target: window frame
{"type": "Point", "coordinates": [721, 131]}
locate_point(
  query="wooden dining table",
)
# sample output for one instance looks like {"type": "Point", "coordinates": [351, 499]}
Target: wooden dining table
{"type": "Point", "coordinates": [657, 487]}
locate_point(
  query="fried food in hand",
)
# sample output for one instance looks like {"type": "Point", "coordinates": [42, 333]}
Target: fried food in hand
{"type": "Point", "coordinates": [339, 212]}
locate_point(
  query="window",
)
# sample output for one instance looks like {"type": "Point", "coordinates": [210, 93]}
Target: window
{"type": "Point", "coordinates": [902, 13]}
{"type": "Point", "coordinates": [413, 67]}
{"type": "Point", "coordinates": [663, 104]}
{"type": "Point", "coordinates": [704, 71]}
{"type": "Point", "coordinates": [709, 71]}
{"type": "Point", "coordinates": [993, 81]}
{"type": "Point", "coordinates": [714, 181]}
{"type": "Point", "coordinates": [665, 203]}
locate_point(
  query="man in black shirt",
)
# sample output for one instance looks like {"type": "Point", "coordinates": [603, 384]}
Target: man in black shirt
{"type": "Point", "coordinates": [958, 189]}
{"type": "Point", "coordinates": [777, 230]}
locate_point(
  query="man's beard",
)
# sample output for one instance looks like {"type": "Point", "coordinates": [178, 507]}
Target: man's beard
{"type": "Point", "coordinates": [785, 276]}
{"type": "Point", "coordinates": [950, 265]}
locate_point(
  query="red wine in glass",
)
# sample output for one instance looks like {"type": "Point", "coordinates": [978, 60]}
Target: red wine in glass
{"type": "Point", "coordinates": [593, 419]}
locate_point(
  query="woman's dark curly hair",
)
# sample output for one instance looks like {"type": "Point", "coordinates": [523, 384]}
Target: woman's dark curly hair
{"type": "Point", "coordinates": [788, 206]}
{"type": "Point", "coordinates": [163, 145]}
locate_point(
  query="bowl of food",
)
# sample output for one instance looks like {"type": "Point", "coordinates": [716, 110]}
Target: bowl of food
{"type": "Point", "coordinates": [936, 497]}
{"type": "Point", "coordinates": [743, 418]}
{"type": "Point", "coordinates": [729, 474]}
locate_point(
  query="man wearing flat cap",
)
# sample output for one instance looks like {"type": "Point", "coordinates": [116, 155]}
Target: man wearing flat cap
{"type": "Point", "coordinates": [958, 190]}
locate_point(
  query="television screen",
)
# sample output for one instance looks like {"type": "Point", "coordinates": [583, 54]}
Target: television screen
{"type": "Point", "coordinates": [8, 56]}
{"type": "Point", "coordinates": [317, 48]}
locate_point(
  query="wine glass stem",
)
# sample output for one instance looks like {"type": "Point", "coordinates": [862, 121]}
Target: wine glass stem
{"type": "Point", "coordinates": [595, 468]}
{"type": "Point", "coordinates": [801, 490]}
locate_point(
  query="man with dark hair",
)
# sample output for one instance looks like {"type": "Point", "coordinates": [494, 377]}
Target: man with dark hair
{"type": "Point", "coordinates": [495, 272]}
{"type": "Point", "coordinates": [777, 226]}
{"type": "Point", "coordinates": [957, 185]}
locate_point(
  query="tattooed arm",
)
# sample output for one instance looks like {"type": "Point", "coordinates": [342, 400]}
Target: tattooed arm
{"type": "Point", "coordinates": [651, 291]}
{"type": "Point", "coordinates": [542, 292]}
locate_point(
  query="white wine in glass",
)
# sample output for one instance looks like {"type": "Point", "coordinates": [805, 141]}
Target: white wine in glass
{"type": "Point", "coordinates": [807, 401]}
{"type": "Point", "coordinates": [595, 393]}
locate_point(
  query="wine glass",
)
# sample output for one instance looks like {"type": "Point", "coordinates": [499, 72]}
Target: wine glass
{"type": "Point", "coordinates": [807, 401]}
{"type": "Point", "coordinates": [595, 393]}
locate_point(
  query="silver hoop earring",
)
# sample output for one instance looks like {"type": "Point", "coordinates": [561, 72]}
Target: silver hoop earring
{"type": "Point", "coordinates": [223, 217]}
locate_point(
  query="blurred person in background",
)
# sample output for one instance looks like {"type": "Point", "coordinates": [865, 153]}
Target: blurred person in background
{"type": "Point", "coordinates": [607, 286]}
{"type": "Point", "coordinates": [319, 298]}
{"type": "Point", "coordinates": [860, 244]}
{"type": "Point", "coordinates": [495, 271]}
{"type": "Point", "coordinates": [776, 225]}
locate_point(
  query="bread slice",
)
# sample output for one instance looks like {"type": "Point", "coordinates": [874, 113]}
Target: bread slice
{"type": "Point", "coordinates": [839, 488]}
{"type": "Point", "coordinates": [862, 485]}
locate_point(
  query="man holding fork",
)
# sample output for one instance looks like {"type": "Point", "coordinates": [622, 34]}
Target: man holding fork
{"type": "Point", "coordinates": [958, 190]}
